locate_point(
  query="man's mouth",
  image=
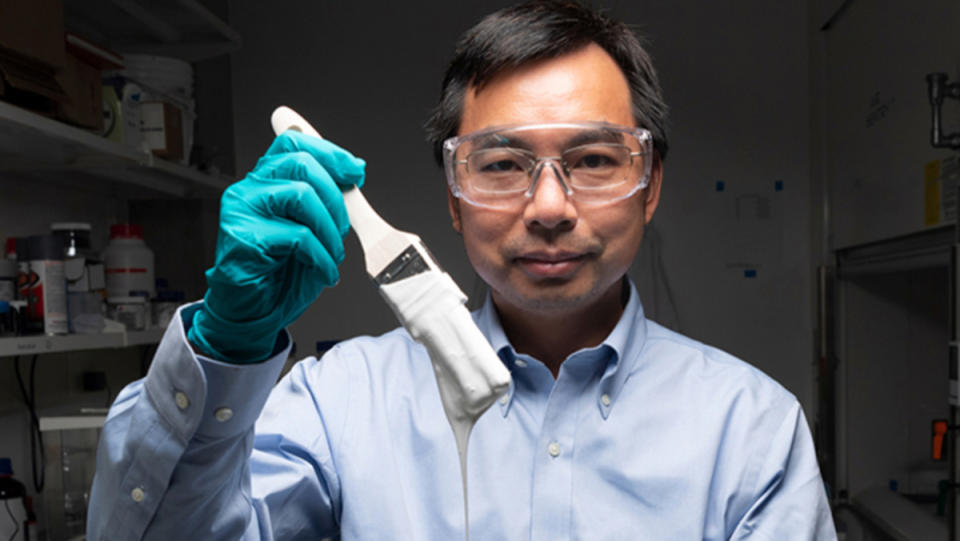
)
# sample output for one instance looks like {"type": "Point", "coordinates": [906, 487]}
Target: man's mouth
{"type": "Point", "coordinates": [551, 264]}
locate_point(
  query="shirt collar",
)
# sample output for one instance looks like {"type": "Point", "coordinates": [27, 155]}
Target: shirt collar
{"type": "Point", "coordinates": [626, 341]}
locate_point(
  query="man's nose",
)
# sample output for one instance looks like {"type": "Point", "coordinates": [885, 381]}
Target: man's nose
{"type": "Point", "coordinates": [549, 206]}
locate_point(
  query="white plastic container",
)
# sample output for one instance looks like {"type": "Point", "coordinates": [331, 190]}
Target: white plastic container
{"type": "Point", "coordinates": [128, 263]}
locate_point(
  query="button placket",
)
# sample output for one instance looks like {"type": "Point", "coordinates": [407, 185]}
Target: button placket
{"type": "Point", "coordinates": [554, 462]}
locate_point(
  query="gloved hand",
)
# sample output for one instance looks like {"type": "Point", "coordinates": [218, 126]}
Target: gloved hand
{"type": "Point", "coordinates": [279, 244]}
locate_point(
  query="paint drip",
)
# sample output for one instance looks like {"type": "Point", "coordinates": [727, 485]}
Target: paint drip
{"type": "Point", "coordinates": [469, 374]}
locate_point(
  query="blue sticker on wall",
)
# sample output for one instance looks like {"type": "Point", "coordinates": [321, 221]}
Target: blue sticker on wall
{"type": "Point", "coordinates": [749, 273]}
{"type": "Point", "coordinates": [778, 186]}
{"type": "Point", "coordinates": [721, 185]}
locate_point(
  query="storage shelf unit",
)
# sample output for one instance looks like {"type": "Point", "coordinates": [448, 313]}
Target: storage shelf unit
{"type": "Point", "coordinates": [34, 345]}
{"type": "Point", "coordinates": [925, 249]}
{"type": "Point", "coordinates": [33, 145]}
{"type": "Point", "coordinates": [181, 28]}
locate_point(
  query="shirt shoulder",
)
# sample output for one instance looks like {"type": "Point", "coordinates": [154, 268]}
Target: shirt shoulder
{"type": "Point", "coordinates": [694, 367]}
{"type": "Point", "coordinates": [390, 362]}
{"type": "Point", "coordinates": [390, 348]}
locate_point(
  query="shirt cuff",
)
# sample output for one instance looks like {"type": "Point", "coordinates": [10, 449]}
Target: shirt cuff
{"type": "Point", "coordinates": [199, 396]}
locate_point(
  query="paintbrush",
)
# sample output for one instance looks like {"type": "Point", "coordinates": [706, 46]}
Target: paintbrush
{"type": "Point", "coordinates": [427, 302]}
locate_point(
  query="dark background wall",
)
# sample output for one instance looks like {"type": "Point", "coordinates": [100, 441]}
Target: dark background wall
{"type": "Point", "coordinates": [734, 74]}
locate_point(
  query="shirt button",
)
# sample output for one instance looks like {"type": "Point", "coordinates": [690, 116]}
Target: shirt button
{"type": "Point", "coordinates": [137, 494]}
{"type": "Point", "coordinates": [223, 414]}
{"type": "Point", "coordinates": [504, 399]}
{"type": "Point", "coordinates": [554, 449]}
{"type": "Point", "coordinates": [181, 399]}
{"type": "Point", "coordinates": [521, 363]}
{"type": "Point", "coordinates": [605, 399]}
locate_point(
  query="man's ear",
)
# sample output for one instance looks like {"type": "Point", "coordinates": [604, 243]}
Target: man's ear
{"type": "Point", "coordinates": [453, 205]}
{"type": "Point", "coordinates": [651, 195]}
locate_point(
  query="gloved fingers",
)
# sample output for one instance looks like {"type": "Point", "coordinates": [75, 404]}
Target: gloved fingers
{"type": "Point", "coordinates": [300, 242]}
{"type": "Point", "coordinates": [303, 167]}
{"type": "Point", "coordinates": [345, 168]}
{"type": "Point", "coordinates": [300, 203]}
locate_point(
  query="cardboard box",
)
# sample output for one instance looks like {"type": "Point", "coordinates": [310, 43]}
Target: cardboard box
{"type": "Point", "coordinates": [32, 51]}
{"type": "Point", "coordinates": [161, 125]}
{"type": "Point", "coordinates": [33, 29]}
{"type": "Point", "coordinates": [82, 103]}
{"type": "Point", "coordinates": [28, 83]}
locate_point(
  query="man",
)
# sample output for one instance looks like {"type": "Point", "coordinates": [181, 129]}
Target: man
{"type": "Point", "coordinates": [551, 128]}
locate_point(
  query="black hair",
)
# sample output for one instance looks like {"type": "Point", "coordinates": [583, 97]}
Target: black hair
{"type": "Point", "coordinates": [537, 30]}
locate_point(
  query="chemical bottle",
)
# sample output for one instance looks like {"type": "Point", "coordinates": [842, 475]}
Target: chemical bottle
{"type": "Point", "coordinates": [128, 262]}
{"type": "Point", "coordinates": [42, 284]}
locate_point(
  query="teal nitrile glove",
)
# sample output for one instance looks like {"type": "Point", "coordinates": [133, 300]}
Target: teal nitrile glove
{"type": "Point", "coordinates": [279, 244]}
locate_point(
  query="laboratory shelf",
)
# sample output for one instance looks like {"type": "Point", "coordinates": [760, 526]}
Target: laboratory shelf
{"type": "Point", "coordinates": [34, 146]}
{"type": "Point", "coordinates": [921, 250]}
{"type": "Point", "coordinates": [896, 516]}
{"type": "Point", "coordinates": [181, 28]}
{"type": "Point", "coordinates": [34, 345]}
{"type": "Point", "coordinates": [71, 422]}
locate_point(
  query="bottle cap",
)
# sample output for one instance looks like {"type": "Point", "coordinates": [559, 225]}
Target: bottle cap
{"type": "Point", "coordinates": [126, 231]}
{"type": "Point", "coordinates": [70, 226]}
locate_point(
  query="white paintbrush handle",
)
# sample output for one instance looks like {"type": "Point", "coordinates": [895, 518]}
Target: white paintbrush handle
{"type": "Point", "coordinates": [368, 225]}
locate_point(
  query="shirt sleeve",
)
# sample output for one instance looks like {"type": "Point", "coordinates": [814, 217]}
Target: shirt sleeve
{"type": "Point", "coordinates": [789, 500]}
{"type": "Point", "coordinates": [174, 455]}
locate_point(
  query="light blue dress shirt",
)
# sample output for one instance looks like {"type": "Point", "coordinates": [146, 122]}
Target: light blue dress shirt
{"type": "Point", "coordinates": [648, 436]}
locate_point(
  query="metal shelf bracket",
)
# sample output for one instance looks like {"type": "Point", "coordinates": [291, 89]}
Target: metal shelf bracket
{"type": "Point", "coordinates": [938, 90]}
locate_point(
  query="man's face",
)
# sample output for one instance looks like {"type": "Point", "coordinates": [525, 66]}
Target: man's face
{"type": "Point", "coordinates": [552, 255]}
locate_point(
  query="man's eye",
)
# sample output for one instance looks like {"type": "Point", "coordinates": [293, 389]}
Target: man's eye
{"type": "Point", "coordinates": [501, 166]}
{"type": "Point", "coordinates": [593, 161]}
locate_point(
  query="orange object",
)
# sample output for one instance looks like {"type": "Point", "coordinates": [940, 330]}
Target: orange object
{"type": "Point", "coordinates": [939, 431]}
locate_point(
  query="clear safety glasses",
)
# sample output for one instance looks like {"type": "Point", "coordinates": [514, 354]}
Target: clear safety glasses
{"type": "Point", "coordinates": [594, 162]}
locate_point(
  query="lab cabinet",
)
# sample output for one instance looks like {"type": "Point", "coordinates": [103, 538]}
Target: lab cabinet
{"type": "Point", "coordinates": [887, 234]}
{"type": "Point", "coordinates": [50, 172]}
{"type": "Point", "coordinates": [883, 173]}
{"type": "Point", "coordinates": [892, 316]}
